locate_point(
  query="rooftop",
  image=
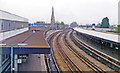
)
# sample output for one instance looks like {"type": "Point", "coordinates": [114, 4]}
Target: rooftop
{"type": "Point", "coordinates": [35, 43]}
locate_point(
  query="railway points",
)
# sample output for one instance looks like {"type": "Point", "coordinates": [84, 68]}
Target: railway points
{"type": "Point", "coordinates": [63, 44]}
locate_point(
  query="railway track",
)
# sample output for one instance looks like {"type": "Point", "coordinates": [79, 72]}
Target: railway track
{"type": "Point", "coordinates": [67, 60]}
{"type": "Point", "coordinates": [83, 59]}
{"type": "Point", "coordinates": [97, 55]}
{"type": "Point", "coordinates": [70, 63]}
{"type": "Point", "coordinates": [73, 67]}
{"type": "Point", "coordinates": [103, 54]}
{"type": "Point", "coordinates": [52, 66]}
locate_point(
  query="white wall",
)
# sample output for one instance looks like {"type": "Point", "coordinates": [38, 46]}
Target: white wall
{"type": "Point", "coordinates": [5, 35]}
{"type": "Point", "coordinates": [0, 24]}
{"type": "Point", "coordinates": [119, 13]}
{"type": "Point", "coordinates": [0, 14]}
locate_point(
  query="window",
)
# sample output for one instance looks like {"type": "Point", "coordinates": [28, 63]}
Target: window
{"type": "Point", "coordinates": [2, 26]}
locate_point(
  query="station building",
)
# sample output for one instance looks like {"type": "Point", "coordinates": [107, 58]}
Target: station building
{"type": "Point", "coordinates": [10, 25]}
{"type": "Point", "coordinates": [9, 21]}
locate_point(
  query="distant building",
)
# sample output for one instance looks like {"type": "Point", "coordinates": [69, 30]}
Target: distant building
{"type": "Point", "coordinates": [52, 17]}
{"type": "Point", "coordinates": [98, 25]}
{"type": "Point", "coordinates": [93, 26]}
{"type": "Point", "coordinates": [9, 21]}
{"type": "Point", "coordinates": [39, 25]}
{"type": "Point", "coordinates": [73, 24]}
{"type": "Point", "coordinates": [119, 13]}
{"type": "Point", "coordinates": [40, 22]}
{"type": "Point", "coordinates": [118, 25]}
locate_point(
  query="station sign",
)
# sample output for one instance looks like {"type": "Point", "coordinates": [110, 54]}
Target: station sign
{"type": "Point", "coordinates": [35, 25]}
{"type": "Point", "coordinates": [19, 61]}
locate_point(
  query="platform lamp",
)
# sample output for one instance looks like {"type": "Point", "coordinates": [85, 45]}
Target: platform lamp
{"type": "Point", "coordinates": [12, 45]}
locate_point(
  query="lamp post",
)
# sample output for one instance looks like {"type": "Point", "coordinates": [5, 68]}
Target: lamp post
{"type": "Point", "coordinates": [20, 44]}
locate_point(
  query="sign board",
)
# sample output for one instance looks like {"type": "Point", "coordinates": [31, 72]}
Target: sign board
{"type": "Point", "coordinates": [35, 25]}
{"type": "Point", "coordinates": [19, 61]}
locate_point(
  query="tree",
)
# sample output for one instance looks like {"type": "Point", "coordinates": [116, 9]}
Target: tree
{"type": "Point", "coordinates": [62, 23]}
{"type": "Point", "coordinates": [105, 23]}
{"type": "Point", "coordinates": [117, 30]}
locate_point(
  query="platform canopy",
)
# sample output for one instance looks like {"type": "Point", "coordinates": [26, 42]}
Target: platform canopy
{"type": "Point", "coordinates": [35, 43]}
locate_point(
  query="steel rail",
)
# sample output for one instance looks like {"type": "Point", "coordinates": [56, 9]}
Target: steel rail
{"type": "Point", "coordinates": [82, 58]}
{"type": "Point", "coordinates": [88, 50]}
{"type": "Point", "coordinates": [67, 60]}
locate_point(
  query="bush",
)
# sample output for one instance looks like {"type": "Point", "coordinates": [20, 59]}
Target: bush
{"type": "Point", "coordinates": [117, 30]}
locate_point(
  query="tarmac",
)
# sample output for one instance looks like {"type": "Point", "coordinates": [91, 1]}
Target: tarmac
{"type": "Point", "coordinates": [34, 63]}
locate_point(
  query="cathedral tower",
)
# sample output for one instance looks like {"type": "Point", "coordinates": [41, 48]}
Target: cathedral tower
{"type": "Point", "coordinates": [52, 17]}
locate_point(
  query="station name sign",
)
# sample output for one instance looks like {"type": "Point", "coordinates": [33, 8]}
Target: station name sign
{"type": "Point", "coordinates": [35, 25]}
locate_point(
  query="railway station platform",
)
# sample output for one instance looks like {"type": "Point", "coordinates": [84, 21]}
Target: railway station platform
{"type": "Point", "coordinates": [104, 37]}
{"type": "Point", "coordinates": [108, 36]}
{"type": "Point", "coordinates": [35, 43]}
{"type": "Point", "coordinates": [102, 41]}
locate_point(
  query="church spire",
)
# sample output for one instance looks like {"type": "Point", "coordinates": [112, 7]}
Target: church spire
{"type": "Point", "coordinates": [52, 17]}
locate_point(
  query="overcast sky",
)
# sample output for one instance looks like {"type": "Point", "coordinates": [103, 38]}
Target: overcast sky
{"type": "Point", "coordinates": [81, 11]}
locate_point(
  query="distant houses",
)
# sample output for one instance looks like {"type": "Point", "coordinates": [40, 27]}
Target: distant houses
{"type": "Point", "coordinates": [73, 24]}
